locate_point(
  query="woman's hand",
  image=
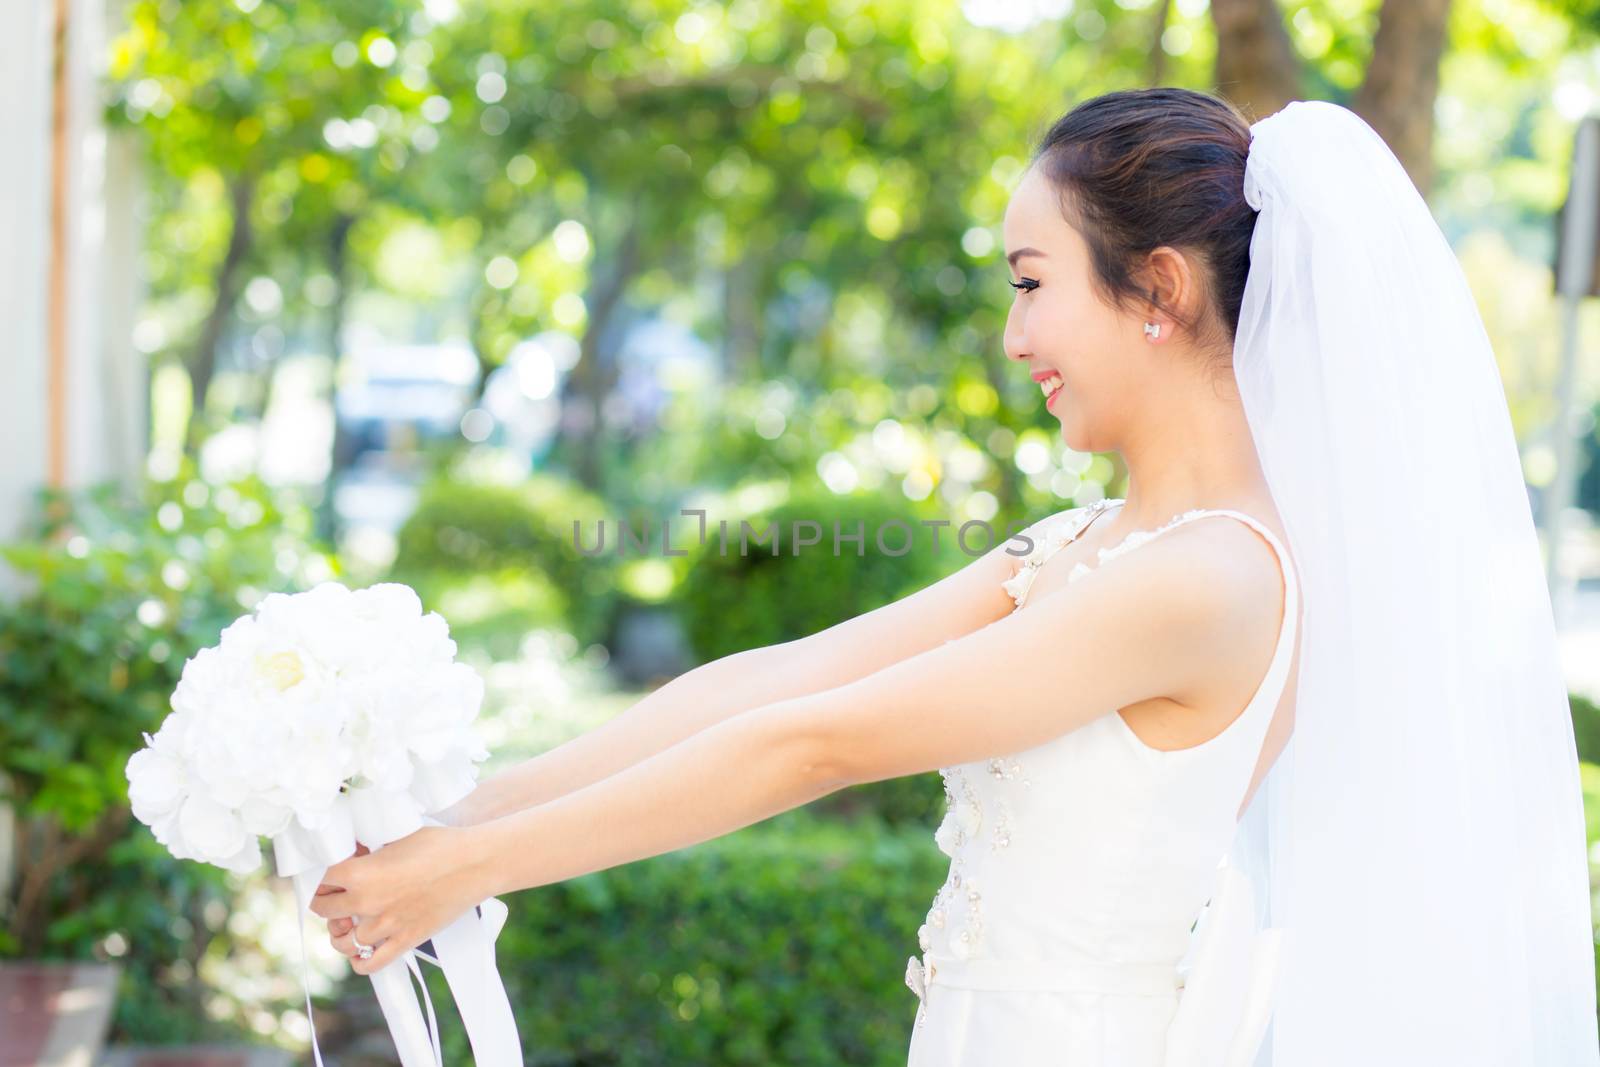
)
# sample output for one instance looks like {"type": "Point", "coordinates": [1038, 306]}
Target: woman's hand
{"type": "Point", "coordinates": [339, 929]}
{"type": "Point", "coordinates": [396, 898]}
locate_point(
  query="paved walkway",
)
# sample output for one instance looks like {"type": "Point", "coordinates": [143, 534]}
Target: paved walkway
{"type": "Point", "coordinates": [54, 1014]}
{"type": "Point", "coordinates": [194, 1056]}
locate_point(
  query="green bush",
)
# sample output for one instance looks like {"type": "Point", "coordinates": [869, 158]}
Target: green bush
{"type": "Point", "coordinates": [515, 536]}
{"type": "Point", "coordinates": [1586, 731]}
{"type": "Point", "coordinates": [783, 943]}
{"type": "Point", "coordinates": [120, 589]}
{"type": "Point", "coordinates": [1586, 727]}
{"type": "Point", "coordinates": [916, 800]}
{"type": "Point", "coordinates": [730, 602]}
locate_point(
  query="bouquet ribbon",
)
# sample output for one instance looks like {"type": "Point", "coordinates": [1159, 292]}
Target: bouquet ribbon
{"type": "Point", "coordinates": [1230, 973]}
{"type": "Point", "coordinates": [465, 947]}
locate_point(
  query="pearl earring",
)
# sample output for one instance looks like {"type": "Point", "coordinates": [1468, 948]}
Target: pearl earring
{"type": "Point", "coordinates": [1153, 329]}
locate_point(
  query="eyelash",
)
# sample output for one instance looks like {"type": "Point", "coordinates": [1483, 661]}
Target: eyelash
{"type": "Point", "coordinates": [1027, 285]}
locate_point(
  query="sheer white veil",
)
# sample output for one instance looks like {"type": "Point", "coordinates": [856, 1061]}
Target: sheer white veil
{"type": "Point", "coordinates": [1419, 844]}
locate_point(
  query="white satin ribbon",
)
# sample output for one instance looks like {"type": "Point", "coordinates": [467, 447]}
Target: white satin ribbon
{"type": "Point", "coordinates": [1230, 973]}
{"type": "Point", "coordinates": [465, 947]}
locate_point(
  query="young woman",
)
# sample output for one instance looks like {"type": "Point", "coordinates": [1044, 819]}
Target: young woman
{"type": "Point", "coordinates": [1268, 326]}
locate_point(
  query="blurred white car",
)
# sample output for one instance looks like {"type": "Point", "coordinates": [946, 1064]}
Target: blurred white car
{"type": "Point", "coordinates": [388, 402]}
{"type": "Point", "coordinates": [389, 397]}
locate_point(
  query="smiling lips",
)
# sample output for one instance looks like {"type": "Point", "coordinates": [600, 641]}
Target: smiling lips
{"type": "Point", "coordinates": [1049, 383]}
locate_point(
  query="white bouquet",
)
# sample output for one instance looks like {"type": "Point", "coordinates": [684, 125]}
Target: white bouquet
{"type": "Point", "coordinates": [324, 718]}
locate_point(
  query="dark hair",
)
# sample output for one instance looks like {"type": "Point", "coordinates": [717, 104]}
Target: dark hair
{"type": "Point", "coordinates": [1141, 168]}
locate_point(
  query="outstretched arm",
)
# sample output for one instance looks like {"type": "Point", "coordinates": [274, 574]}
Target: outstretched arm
{"type": "Point", "coordinates": [954, 606]}
{"type": "Point", "coordinates": [1152, 624]}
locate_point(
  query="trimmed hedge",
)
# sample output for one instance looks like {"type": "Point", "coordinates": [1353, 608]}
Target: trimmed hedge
{"type": "Point", "coordinates": [731, 602]}
{"type": "Point", "coordinates": [783, 943]}
{"type": "Point", "coordinates": [464, 530]}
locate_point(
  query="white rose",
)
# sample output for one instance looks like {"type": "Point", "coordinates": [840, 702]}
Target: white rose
{"type": "Point", "coordinates": [264, 817]}
{"type": "Point", "coordinates": [157, 783]}
{"type": "Point", "coordinates": [246, 859]}
{"type": "Point", "coordinates": [211, 829]}
{"type": "Point", "coordinates": [158, 776]}
{"type": "Point", "coordinates": [387, 602]}
{"type": "Point", "coordinates": [323, 619]}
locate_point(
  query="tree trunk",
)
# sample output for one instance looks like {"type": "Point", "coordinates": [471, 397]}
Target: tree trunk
{"type": "Point", "coordinates": [202, 362]}
{"type": "Point", "coordinates": [1396, 97]}
{"type": "Point", "coordinates": [591, 381]}
{"type": "Point", "coordinates": [339, 270]}
{"type": "Point", "coordinates": [1257, 68]}
{"type": "Point", "coordinates": [45, 849]}
{"type": "Point", "coordinates": [1158, 55]}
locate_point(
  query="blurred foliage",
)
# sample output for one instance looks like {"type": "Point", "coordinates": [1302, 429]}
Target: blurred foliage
{"type": "Point", "coordinates": [834, 172]}
{"type": "Point", "coordinates": [121, 590]}
{"type": "Point", "coordinates": [831, 173]}
{"type": "Point", "coordinates": [782, 943]}
{"type": "Point", "coordinates": [824, 165]}
{"type": "Point", "coordinates": [776, 573]}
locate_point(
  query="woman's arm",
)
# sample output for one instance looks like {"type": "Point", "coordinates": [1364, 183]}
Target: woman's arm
{"type": "Point", "coordinates": [949, 608]}
{"type": "Point", "coordinates": [1163, 622]}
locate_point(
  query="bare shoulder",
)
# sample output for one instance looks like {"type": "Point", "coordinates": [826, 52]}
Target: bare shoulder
{"type": "Point", "coordinates": [1223, 560]}
{"type": "Point", "coordinates": [1217, 592]}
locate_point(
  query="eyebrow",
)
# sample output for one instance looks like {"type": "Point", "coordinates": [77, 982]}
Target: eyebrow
{"type": "Point", "coordinates": [1012, 257]}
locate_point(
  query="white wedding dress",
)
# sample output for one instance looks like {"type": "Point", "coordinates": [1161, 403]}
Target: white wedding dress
{"type": "Point", "coordinates": [1078, 868]}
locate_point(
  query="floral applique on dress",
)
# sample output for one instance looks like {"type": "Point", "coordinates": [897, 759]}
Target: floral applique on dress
{"type": "Point", "coordinates": [1046, 544]}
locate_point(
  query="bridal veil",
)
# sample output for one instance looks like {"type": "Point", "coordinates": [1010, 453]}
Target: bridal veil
{"type": "Point", "coordinates": [1419, 844]}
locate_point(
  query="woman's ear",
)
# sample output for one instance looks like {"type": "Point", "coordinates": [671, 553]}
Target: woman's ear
{"type": "Point", "coordinates": [1171, 283]}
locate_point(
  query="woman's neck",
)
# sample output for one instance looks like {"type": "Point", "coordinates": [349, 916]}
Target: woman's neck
{"type": "Point", "coordinates": [1192, 456]}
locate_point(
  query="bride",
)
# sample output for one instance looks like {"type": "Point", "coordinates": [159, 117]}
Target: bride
{"type": "Point", "coordinates": [1190, 823]}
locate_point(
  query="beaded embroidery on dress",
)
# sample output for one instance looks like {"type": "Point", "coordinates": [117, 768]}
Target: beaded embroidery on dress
{"type": "Point", "coordinates": [1078, 868]}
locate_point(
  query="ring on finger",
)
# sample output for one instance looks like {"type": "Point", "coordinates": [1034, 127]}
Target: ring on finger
{"type": "Point", "coordinates": [362, 951]}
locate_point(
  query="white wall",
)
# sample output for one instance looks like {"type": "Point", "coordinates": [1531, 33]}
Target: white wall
{"type": "Point", "coordinates": [106, 380]}
{"type": "Point", "coordinates": [24, 218]}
